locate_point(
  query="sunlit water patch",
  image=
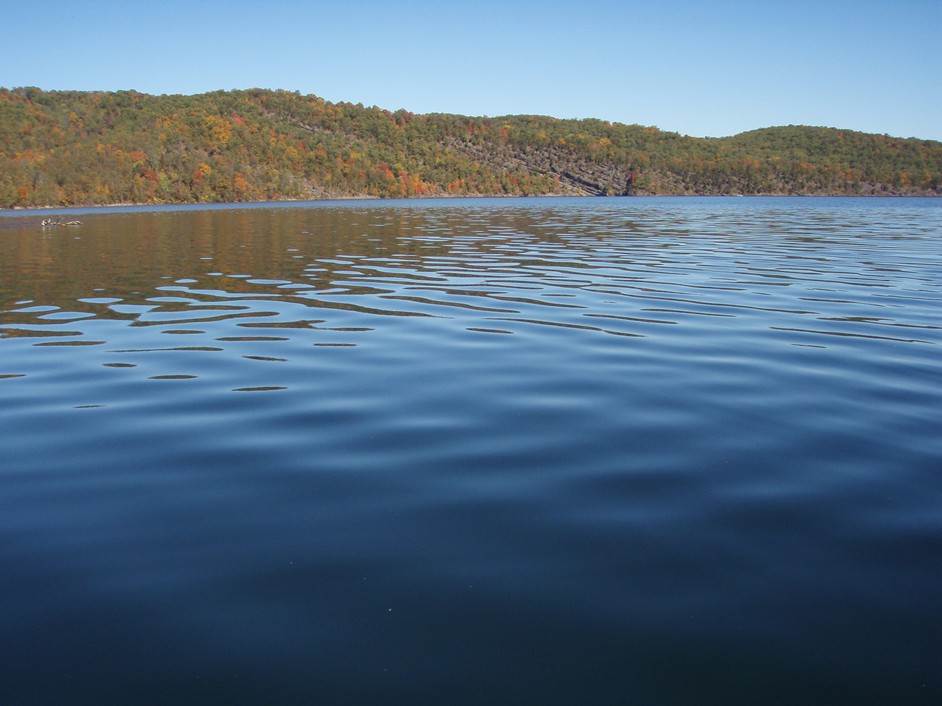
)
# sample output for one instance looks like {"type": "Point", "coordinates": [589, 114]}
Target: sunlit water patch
{"type": "Point", "coordinates": [512, 451]}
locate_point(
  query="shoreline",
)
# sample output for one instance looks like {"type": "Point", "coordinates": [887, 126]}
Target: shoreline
{"type": "Point", "coordinates": [38, 210]}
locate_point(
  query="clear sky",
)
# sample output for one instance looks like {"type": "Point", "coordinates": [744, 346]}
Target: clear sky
{"type": "Point", "coordinates": [709, 68]}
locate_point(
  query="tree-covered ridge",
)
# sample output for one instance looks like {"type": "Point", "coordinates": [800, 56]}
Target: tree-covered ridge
{"type": "Point", "coordinates": [77, 148]}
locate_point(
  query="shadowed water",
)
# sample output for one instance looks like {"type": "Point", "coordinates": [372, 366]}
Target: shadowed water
{"type": "Point", "coordinates": [488, 451]}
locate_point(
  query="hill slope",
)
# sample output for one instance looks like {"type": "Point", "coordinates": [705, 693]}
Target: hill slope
{"type": "Point", "coordinates": [81, 148]}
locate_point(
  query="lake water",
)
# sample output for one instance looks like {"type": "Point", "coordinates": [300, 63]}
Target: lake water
{"type": "Point", "coordinates": [548, 451]}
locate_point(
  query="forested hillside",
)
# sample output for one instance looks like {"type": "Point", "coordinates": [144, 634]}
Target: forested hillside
{"type": "Point", "coordinates": [82, 148]}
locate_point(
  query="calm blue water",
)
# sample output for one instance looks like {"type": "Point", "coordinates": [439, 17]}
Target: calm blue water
{"type": "Point", "coordinates": [555, 451]}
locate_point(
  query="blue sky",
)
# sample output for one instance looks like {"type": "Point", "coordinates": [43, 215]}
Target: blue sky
{"type": "Point", "coordinates": [698, 68]}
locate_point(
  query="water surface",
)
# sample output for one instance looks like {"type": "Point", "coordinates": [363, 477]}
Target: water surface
{"type": "Point", "coordinates": [473, 451]}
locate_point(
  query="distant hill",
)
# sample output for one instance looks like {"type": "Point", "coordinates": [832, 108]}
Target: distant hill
{"type": "Point", "coordinates": [68, 148]}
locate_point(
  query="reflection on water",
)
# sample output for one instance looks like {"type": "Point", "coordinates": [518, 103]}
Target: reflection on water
{"type": "Point", "coordinates": [549, 450]}
{"type": "Point", "coordinates": [617, 271]}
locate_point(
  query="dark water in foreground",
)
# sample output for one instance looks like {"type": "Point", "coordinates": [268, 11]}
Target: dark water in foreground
{"type": "Point", "coordinates": [654, 451]}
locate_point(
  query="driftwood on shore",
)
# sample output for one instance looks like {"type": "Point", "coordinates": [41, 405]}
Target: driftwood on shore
{"type": "Point", "coordinates": [56, 222]}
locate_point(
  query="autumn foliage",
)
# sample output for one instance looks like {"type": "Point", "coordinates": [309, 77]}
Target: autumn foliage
{"type": "Point", "coordinates": [80, 148]}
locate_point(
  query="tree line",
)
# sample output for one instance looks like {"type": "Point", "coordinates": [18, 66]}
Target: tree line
{"type": "Point", "coordinates": [71, 148]}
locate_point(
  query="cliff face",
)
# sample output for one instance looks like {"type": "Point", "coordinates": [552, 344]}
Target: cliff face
{"type": "Point", "coordinates": [574, 172]}
{"type": "Point", "coordinates": [75, 148]}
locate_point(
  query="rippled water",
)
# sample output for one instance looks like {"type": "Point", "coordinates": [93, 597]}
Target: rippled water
{"type": "Point", "coordinates": [489, 451]}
